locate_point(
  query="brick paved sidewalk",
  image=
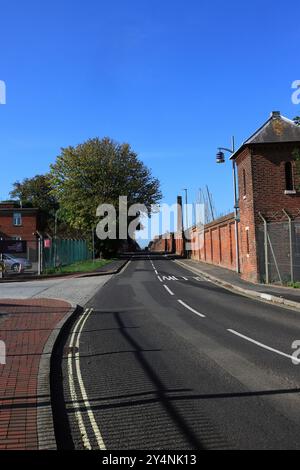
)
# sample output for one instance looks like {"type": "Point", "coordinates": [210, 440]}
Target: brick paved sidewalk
{"type": "Point", "coordinates": [25, 326]}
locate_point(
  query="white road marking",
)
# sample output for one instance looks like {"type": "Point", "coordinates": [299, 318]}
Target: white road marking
{"type": "Point", "coordinates": [124, 268]}
{"type": "Point", "coordinates": [264, 345]}
{"type": "Point", "coordinates": [78, 415]}
{"type": "Point", "coordinates": [159, 278]}
{"type": "Point", "coordinates": [169, 290]}
{"type": "Point", "coordinates": [86, 403]}
{"type": "Point", "coordinates": [191, 309]}
{"type": "Point", "coordinates": [156, 272]}
{"type": "Point", "coordinates": [170, 278]}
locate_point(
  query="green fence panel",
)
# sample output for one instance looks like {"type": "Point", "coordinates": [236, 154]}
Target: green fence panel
{"type": "Point", "coordinates": [64, 252]}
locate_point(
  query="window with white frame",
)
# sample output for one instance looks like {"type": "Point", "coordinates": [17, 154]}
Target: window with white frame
{"type": "Point", "coordinates": [17, 218]}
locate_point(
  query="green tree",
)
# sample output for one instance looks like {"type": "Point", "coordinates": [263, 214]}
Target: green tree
{"type": "Point", "coordinates": [297, 120]}
{"type": "Point", "coordinates": [37, 192]}
{"type": "Point", "coordinates": [96, 172]}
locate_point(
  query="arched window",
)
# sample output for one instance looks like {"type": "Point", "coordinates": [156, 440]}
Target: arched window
{"type": "Point", "coordinates": [289, 184]}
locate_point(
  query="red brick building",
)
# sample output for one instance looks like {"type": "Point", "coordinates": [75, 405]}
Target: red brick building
{"type": "Point", "coordinates": [269, 182]}
{"type": "Point", "coordinates": [268, 171]}
{"type": "Point", "coordinates": [17, 223]}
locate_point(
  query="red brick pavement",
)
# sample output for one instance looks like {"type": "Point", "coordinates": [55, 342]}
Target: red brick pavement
{"type": "Point", "coordinates": [24, 327]}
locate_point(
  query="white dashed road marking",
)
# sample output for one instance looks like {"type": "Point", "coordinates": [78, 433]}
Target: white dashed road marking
{"type": "Point", "coordinates": [264, 346]}
{"type": "Point", "coordinates": [168, 290]}
{"type": "Point", "coordinates": [191, 309]}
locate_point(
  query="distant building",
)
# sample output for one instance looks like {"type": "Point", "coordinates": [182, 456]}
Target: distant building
{"type": "Point", "coordinates": [17, 223]}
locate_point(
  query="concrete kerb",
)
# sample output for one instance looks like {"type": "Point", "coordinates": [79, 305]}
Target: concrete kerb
{"type": "Point", "coordinates": [106, 273]}
{"type": "Point", "coordinates": [64, 276]}
{"type": "Point", "coordinates": [45, 424]}
{"type": "Point", "coordinates": [281, 301]}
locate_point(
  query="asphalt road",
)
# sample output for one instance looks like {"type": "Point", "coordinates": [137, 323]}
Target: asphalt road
{"type": "Point", "coordinates": [162, 359]}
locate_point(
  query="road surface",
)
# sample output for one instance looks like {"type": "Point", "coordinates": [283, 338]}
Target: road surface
{"type": "Point", "coordinates": [163, 359]}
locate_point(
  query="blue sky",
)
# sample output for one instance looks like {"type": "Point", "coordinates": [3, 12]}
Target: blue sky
{"type": "Point", "coordinates": [173, 78]}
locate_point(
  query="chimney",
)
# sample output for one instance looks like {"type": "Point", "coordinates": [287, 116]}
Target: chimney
{"type": "Point", "coordinates": [275, 115]}
{"type": "Point", "coordinates": [179, 215]}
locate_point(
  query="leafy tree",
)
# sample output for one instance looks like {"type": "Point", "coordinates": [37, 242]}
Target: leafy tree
{"type": "Point", "coordinates": [37, 192]}
{"type": "Point", "coordinates": [297, 120]}
{"type": "Point", "coordinates": [96, 172]}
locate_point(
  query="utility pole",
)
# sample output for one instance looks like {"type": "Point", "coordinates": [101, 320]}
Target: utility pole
{"type": "Point", "coordinates": [2, 266]}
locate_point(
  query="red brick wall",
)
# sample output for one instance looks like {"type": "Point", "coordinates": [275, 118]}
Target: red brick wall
{"type": "Point", "coordinates": [24, 231]}
{"type": "Point", "coordinates": [264, 167]}
{"type": "Point", "coordinates": [217, 243]}
{"type": "Point", "coordinates": [248, 258]}
{"type": "Point", "coordinates": [268, 162]}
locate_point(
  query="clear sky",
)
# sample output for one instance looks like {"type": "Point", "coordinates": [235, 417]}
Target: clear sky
{"type": "Point", "coordinates": [173, 78]}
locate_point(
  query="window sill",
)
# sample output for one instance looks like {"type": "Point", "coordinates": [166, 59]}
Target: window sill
{"type": "Point", "coordinates": [290, 191]}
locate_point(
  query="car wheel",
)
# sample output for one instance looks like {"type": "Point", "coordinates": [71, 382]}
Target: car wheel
{"type": "Point", "coordinates": [16, 267]}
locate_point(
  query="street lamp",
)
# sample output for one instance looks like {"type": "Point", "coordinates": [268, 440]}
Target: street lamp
{"type": "Point", "coordinates": [220, 158]}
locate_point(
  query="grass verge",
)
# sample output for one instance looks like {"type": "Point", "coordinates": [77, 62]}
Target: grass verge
{"type": "Point", "coordinates": [295, 285]}
{"type": "Point", "coordinates": [80, 267]}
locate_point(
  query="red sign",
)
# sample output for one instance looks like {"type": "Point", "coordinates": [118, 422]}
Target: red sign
{"type": "Point", "coordinates": [47, 243]}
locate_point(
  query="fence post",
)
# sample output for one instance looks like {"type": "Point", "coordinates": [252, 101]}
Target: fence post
{"type": "Point", "coordinates": [1, 266]}
{"type": "Point", "coordinates": [266, 247]}
{"type": "Point", "coordinates": [291, 244]}
{"type": "Point", "coordinates": [39, 256]}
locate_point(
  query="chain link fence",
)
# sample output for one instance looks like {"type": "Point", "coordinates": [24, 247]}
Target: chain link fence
{"type": "Point", "coordinates": [279, 251]}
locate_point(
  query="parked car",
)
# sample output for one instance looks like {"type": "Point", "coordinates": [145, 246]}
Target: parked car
{"type": "Point", "coordinates": [13, 264]}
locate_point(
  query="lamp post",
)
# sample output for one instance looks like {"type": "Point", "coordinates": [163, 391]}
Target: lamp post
{"type": "Point", "coordinates": [220, 158]}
